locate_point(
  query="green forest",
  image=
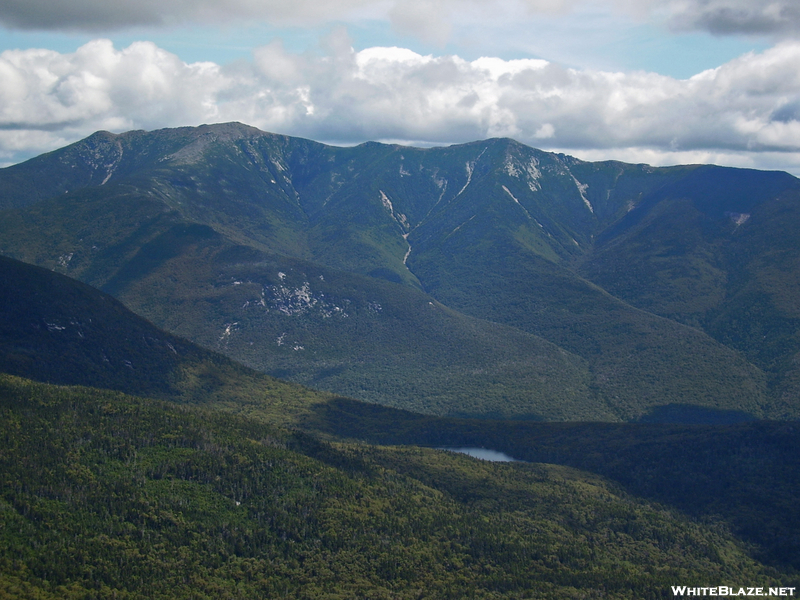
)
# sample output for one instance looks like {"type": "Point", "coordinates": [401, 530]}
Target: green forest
{"type": "Point", "coordinates": [104, 495]}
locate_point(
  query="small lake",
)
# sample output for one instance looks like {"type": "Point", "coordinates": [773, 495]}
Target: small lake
{"type": "Point", "coordinates": [483, 454]}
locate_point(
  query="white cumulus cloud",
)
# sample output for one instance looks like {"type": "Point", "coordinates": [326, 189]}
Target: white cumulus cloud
{"type": "Point", "coordinates": [738, 113]}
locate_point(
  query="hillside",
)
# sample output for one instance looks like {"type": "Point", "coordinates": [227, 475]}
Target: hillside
{"type": "Point", "coordinates": [56, 330]}
{"type": "Point", "coordinates": [742, 475]}
{"type": "Point", "coordinates": [105, 495]}
{"type": "Point", "coordinates": [486, 279]}
{"type": "Point", "coordinates": [78, 462]}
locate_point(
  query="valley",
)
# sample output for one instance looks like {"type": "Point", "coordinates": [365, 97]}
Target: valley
{"type": "Point", "coordinates": [233, 482]}
{"type": "Point", "coordinates": [235, 364]}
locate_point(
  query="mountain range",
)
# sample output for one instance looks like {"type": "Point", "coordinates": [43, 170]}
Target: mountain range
{"type": "Point", "coordinates": [487, 279]}
{"type": "Point", "coordinates": [216, 480]}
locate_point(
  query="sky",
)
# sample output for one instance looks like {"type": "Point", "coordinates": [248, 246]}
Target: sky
{"type": "Point", "coordinates": [644, 81]}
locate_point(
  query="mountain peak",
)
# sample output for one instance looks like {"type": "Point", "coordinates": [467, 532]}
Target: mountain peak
{"type": "Point", "coordinates": [259, 244]}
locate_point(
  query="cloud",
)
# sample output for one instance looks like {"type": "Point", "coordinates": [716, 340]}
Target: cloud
{"type": "Point", "coordinates": [97, 85]}
{"type": "Point", "coordinates": [426, 19]}
{"type": "Point", "coordinates": [724, 17]}
{"type": "Point", "coordinates": [107, 15]}
{"type": "Point", "coordinates": [432, 21]}
{"type": "Point", "coordinates": [746, 107]}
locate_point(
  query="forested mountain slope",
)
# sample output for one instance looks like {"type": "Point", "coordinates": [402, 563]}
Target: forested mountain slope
{"type": "Point", "coordinates": [101, 491]}
{"type": "Point", "coordinates": [485, 279]}
{"type": "Point", "coordinates": [104, 495]}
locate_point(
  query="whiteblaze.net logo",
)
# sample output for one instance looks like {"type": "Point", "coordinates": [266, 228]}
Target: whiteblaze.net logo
{"type": "Point", "coordinates": [729, 592]}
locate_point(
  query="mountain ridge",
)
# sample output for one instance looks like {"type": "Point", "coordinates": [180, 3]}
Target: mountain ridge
{"type": "Point", "coordinates": [494, 230]}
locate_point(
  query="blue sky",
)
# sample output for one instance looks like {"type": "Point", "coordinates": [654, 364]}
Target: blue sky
{"type": "Point", "coordinates": [588, 40]}
{"type": "Point", "coordinates": [657, 81]}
